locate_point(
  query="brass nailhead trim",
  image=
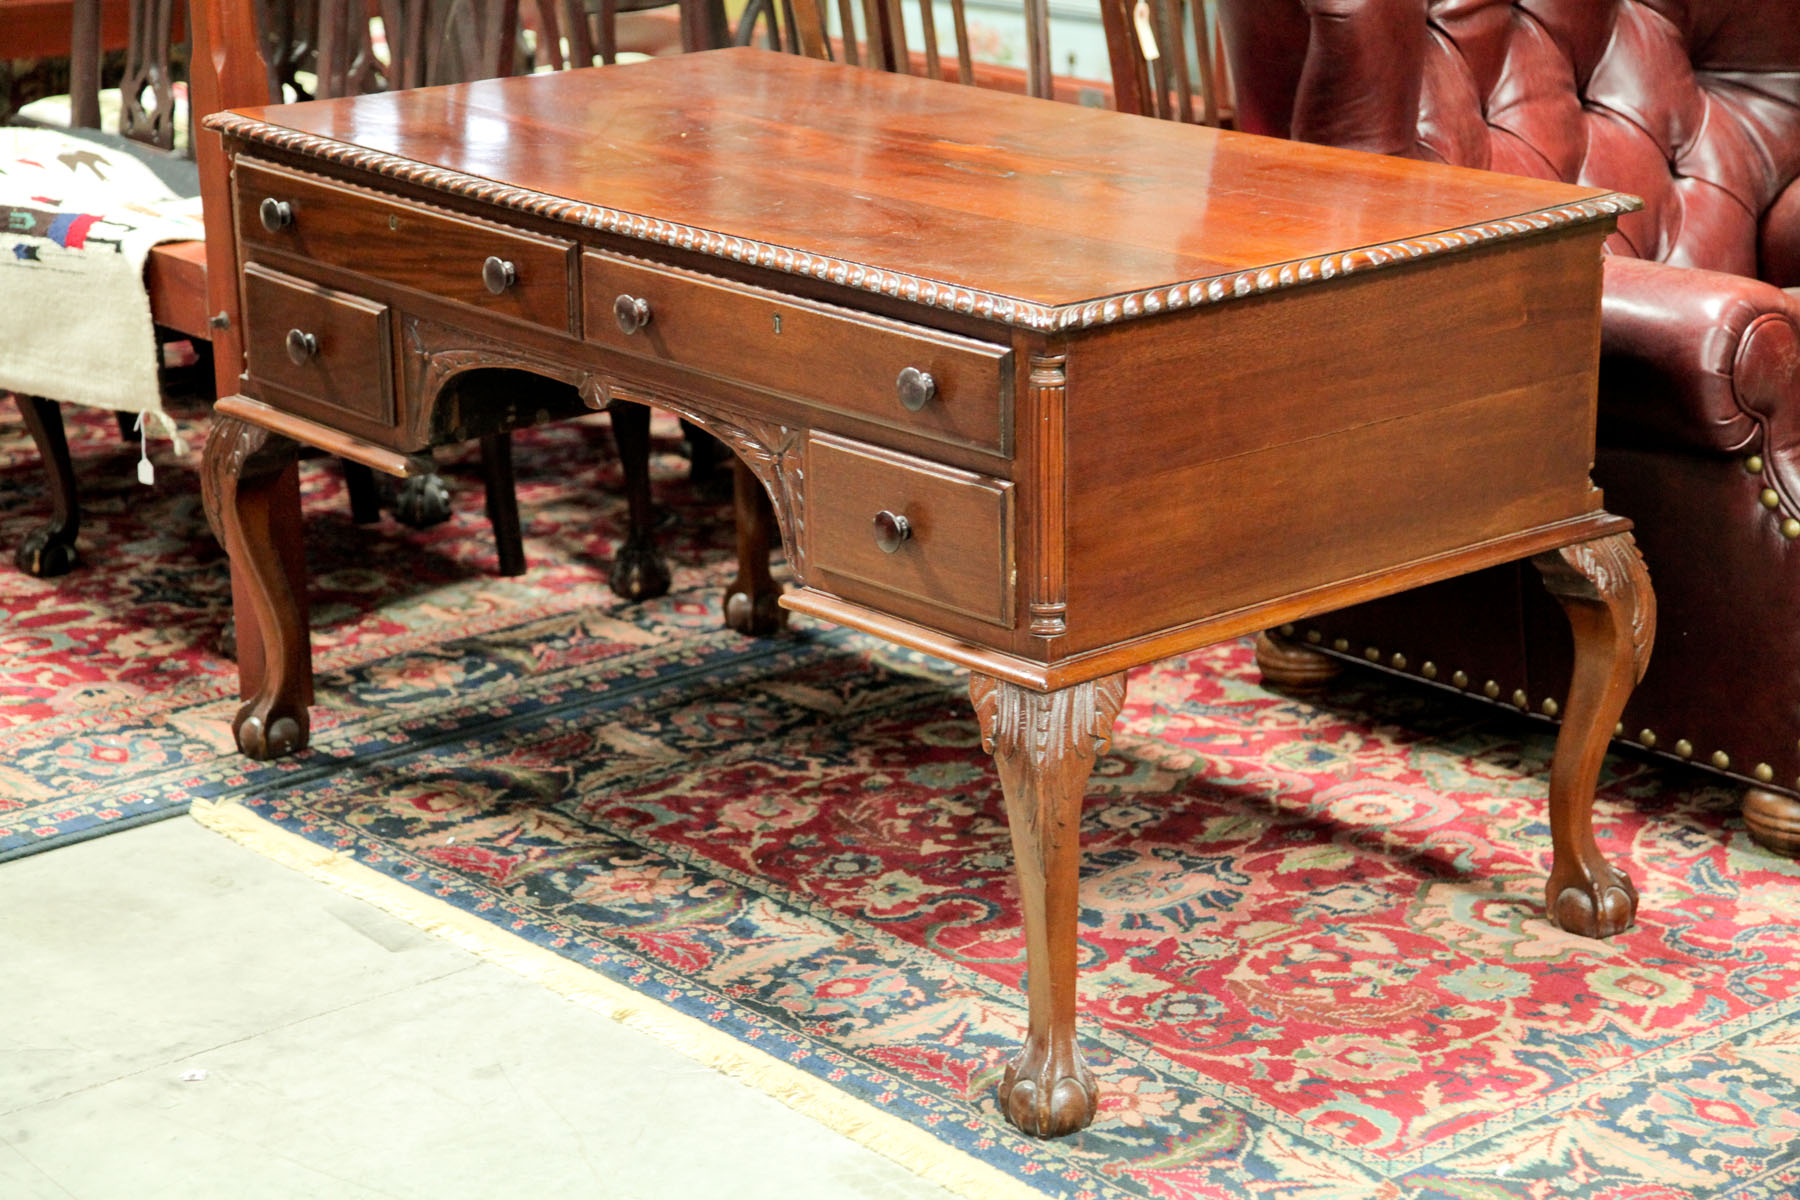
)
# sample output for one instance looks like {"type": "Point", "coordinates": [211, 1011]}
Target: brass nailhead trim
{"type": "Point", "coordinates": [1790, 529]}
{"type": "Point", "coordinates": [1287, 631]}
{"type": "Point", "coordinates": [1754, 464]}
{"type": "Point", "coordinates": [1770, 498]}
{"type": "Point", "coordinates": [1314, 636]}
{"type": "Point", "coordinates": [1683, 748]}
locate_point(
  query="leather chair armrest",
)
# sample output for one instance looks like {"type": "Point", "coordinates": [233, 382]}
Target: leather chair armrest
{"type": "Point", "coordinates": [1779, 251]}
{"type": "Point", "coordinates": [1701, 361]}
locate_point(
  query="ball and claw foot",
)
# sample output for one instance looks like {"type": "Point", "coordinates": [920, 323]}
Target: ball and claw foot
{"type": "Point", "coordinates": [422, 501]}
{"type": "Point", "coordinates": [43, 555]}
{"type": "Point", "coordinates": [638, 571]}
{"type": "Point", "coordinates": [1041, 1100]}
{"type": "Point", "coordinates": [262, 735]}
{"type": "Point", "coordinates": [1597, 906]}
{"type": "Point", "coordinates": [761, 617]}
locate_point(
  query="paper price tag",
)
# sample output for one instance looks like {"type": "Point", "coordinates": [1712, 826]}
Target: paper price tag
{"type": "Point", "coordinates": [1146, 32]}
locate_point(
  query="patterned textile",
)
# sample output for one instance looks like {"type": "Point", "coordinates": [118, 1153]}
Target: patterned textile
{"type": "Point", "coordinates": [77, 220]}
{"type": "Point", "coordinates": [1313, 965]}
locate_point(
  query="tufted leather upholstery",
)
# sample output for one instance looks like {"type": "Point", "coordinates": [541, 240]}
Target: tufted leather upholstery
{"type": "Point", "coordinates": [1693, 105]}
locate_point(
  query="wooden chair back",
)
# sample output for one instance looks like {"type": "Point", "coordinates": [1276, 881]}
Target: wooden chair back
{"type": "Point", "coordinates": [1165, 59]}
{"type": "Point", "coordinates": [877, 33]}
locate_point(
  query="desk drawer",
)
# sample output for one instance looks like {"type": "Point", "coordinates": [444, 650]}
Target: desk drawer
{"type": "Point", "coordinates": [844, 360]}
{"type": "Point", "coordinates": [947, 532]}
{"type": "Point", "coordinates": [403, 244]}
{"type": "Point", "coordinates": [341, 360]}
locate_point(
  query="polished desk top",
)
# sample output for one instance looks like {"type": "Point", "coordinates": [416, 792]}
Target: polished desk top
{"type": "Point", "coordinates": [1036, 214]}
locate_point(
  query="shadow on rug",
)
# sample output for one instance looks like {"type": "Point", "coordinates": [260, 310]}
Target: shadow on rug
{"type": "Point", "coordinates": [1314, 965]}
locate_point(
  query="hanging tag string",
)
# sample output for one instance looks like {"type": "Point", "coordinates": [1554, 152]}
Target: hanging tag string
{"type": "Point", "coordinates": [146, 472]}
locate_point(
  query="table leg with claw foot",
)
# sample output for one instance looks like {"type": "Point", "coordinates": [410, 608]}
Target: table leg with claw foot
{"type": "Point", "coordinates": [1605, 591]}
{"type": "Point", "coordinates": [250, 482]}
{"type": "Point", "coordinates": [638, 571]}
{"type": "Point", "coordinates": [1044, 746]}
{"type": "Point", "coordinates": [753, 598]}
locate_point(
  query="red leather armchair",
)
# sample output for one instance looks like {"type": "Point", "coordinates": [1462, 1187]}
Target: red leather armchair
{"type": "Point", "coordinates": [1694, 105]}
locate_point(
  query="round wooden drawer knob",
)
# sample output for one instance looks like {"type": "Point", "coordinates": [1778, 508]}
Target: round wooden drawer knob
{"type": "Point", "coordinates": [891, 529]}
{"type": "Point", "coordinates": [915, 388]}
{"type": "Point", "coordinates": [631, 313]}
{"type": "Point", "coordinates": [276, 215]}
{"type": "Point", "coordinates": [301, 346]}
{"type": "Point", "coordinates": [497, 274]}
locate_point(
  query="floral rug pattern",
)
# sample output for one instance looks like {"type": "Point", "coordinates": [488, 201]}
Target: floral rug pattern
{"type": "Point", "coordinates": [1313, 960]}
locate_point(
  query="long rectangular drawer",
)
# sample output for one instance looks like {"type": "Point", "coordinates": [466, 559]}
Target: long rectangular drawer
{"type": "Point", "coordinates": [433, 252]}
{"type": "Point", "coordinates": [329, 352]}
{"type": "Point", "coordinates": [875, 518]}
{"type": "Point", "coordinates": [934, 384]}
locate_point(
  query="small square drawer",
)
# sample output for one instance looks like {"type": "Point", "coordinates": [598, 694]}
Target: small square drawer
{"type": "Point", "coordinates": [329, 353]}
{"type": "Point", "coordinates": [488, 266]}
{"type": "Point", "coordinates": [934, 384]}
{"type": "Point", "coordinates": [879, 519]}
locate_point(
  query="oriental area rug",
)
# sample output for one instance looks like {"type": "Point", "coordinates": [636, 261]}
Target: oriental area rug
{"type": "Point", "coordinates": [1313, 960]}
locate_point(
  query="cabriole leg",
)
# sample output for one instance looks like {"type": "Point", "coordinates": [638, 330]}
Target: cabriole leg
{"type": "Point", "coordinates": [50, 550]}
{"type": "Point", "coordinates": [753, 599]}
{"type": "Point", "coordinates": [1044, 745]}
{"type": "Point", "coordinates": [1604, 589]}
{"type": "Point", "coordinates": [251, 484]}
{"type": "Point", "coordinates": [638, 571]}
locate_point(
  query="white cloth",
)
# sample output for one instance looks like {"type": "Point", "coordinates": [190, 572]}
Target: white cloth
{"type": "Point", "coordinates": [77, 221]}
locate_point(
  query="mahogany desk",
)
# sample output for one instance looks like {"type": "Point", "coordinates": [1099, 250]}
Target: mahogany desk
{"type": "Point", "coordinates": [1048, 391]}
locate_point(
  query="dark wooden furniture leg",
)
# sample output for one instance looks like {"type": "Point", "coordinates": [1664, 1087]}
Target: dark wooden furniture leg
{"type": "Point", "coordinates": [753, 598]}
{"type": "Point", "coordinates": [1044, 745]}
{"type": "Point", "coordinates": [1291, 666]}
{"type": "Point", "coordinates": [365, 493]}
{"type": "Point", "coordinates": [1604, 589]}
{"type": "Point", "coordinates": [251, 483]}
{"type": "Point", "coordinates": [638, 571]}
{"type": "Point", "coordinates": [503, 502]}
{"type": "Point", "coordinates": [127, 422]}
{"type": "Point", "coordinates": [1773, 820]}
{"type": "Point", "coordinates": [51, 550]}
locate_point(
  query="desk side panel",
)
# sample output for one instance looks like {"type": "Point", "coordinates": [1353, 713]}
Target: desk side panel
{"type": "Point", "coordinates": [1259, 448]}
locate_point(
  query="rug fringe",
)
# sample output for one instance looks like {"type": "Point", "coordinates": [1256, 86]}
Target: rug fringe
{"type": "Point", "coordinates": [863, 1123]}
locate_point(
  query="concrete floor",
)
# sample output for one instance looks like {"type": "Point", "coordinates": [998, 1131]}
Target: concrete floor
{"type": "Point", "coordinates": [345, 1054]}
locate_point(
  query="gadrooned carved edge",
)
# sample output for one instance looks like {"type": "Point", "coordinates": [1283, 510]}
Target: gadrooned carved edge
{"type": "Point", "coordinates": [775, 453]}
{"type": "Point", "coordinates": [237, 450]}
{"type": "Point", "coordinates": [1006, 310]}
{"type": "Point", "coordinates": [1609, 570]}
